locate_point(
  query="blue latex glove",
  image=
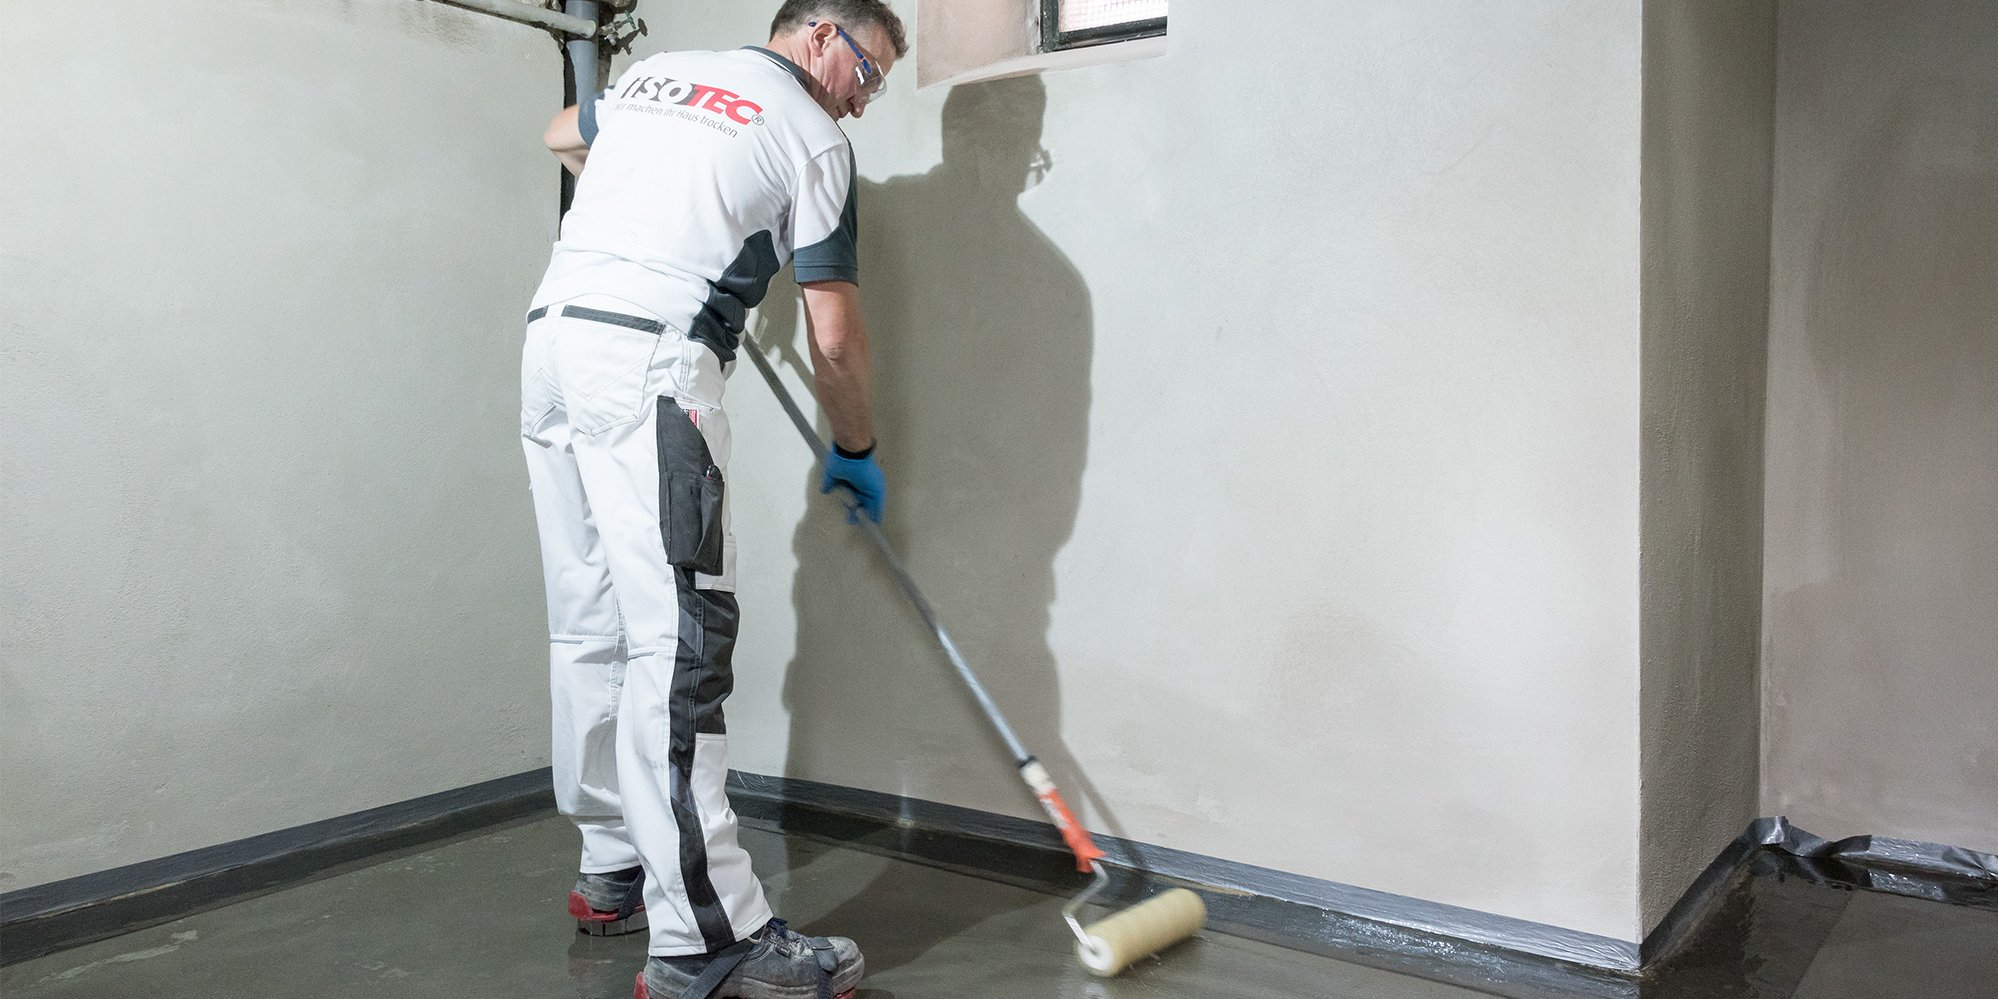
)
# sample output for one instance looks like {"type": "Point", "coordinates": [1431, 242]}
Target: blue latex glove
{"type": "Point", "coordinates": [862, 475]}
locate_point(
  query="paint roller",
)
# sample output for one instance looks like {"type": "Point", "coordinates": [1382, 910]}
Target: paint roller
{"type": "Point", "coordinates": [1105, 947]}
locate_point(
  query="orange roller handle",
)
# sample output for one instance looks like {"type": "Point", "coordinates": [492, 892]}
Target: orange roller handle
{"type": "Point", "coordinates": [1087, 853]}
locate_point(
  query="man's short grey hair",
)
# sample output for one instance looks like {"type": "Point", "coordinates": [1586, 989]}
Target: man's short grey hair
{"type": "Point", "coordinates": [849, 14]}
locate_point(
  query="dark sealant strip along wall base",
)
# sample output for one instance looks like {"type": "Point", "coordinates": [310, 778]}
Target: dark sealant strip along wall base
{"type": "Point", "coordinates": [1699, 902]}
{"type": "Point", "coordinates": [49, 917]}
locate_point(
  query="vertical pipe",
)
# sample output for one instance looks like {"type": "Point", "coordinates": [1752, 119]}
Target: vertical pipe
{"type": "Point", "coordinates": [580, 56]}
{"type": "Point", "coordinates": [583, 51]}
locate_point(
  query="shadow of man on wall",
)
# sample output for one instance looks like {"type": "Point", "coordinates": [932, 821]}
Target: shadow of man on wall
{"type": "Point", "coordinates": [980, 332]}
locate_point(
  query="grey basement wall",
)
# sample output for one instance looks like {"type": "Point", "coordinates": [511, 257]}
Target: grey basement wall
{"type": "Point", "coordinates": [268, 548]}
{"type": "Point", "coordinates": [1709, 96]}
{"type": "Point", "coordinates": [1880, 656]}
{"type": "Point", "coordinates": [1271, 442]}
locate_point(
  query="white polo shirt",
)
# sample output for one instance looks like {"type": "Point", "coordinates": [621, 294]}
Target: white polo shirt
{"type": "Point", "coordinates": [707, 172]}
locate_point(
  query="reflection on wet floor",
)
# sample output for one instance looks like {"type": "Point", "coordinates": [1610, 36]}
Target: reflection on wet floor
{"type": "Point", "coordinates": [1792, 930]}
{"type": "Point", "coordinates": [483, 916]}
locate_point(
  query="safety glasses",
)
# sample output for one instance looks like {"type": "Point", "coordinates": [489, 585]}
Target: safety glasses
{"type": "Point", "coordinates": [866, 74]}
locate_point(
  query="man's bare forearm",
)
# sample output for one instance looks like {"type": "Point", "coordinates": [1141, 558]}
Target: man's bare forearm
{"type": "Point", "coordinates": [565, 140]}
{"type": "Point", "coordinates": [840, 368]}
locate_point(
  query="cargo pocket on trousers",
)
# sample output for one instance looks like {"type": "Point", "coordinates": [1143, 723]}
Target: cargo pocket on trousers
{"type": "Point", "coordinates": [690, 493]}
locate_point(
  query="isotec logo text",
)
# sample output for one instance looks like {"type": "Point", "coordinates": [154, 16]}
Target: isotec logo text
{"type": "Point", "coordinates": [694, 95]}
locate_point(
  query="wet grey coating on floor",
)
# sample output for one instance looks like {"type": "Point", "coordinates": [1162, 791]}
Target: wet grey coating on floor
{"type": "Point", "coordinates": [483, 916]}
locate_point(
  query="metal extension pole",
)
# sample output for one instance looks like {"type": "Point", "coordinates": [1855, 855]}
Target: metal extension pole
{"type": "Point", "coordinates": [527, 13]}
{"type": "Point", "coordinates": [901, 572]}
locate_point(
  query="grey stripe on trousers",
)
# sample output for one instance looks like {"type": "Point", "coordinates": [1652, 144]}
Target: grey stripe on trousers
{"type": "Point", "coordinates": [702, 678]}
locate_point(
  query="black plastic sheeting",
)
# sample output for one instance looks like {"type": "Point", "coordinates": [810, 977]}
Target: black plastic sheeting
{"type": "Point", "coordinates": [1949, 874]}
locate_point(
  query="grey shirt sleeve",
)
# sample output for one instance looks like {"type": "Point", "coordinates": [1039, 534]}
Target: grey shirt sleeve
{"type": "Point", "coordinates": [586, 117]}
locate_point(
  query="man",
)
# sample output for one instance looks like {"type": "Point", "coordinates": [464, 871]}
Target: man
{"type": "Point", "coordinates": [698, 175]}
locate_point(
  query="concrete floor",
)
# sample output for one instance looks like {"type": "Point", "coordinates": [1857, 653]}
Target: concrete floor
{"type": "Point", "coordinates": [483, 916]}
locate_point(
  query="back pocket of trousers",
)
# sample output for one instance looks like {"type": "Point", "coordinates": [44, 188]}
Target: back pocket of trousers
{"type": "Point", "coordinates": [690, 493]}
{"type": "Point", "coordinates": [604, 371]}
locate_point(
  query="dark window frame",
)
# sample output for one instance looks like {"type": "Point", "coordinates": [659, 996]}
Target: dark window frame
{"type": "Point", "coordinates": [1053, 39]}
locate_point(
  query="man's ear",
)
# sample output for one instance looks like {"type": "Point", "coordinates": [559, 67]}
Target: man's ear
{"type": "Point", "coordinates": [823, 34]}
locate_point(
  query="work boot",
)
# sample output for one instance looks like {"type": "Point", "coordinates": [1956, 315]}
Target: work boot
{"type": "Point", "coordinates": [606, 905]}
{"type": "Point", "coordinates": [776, 963]}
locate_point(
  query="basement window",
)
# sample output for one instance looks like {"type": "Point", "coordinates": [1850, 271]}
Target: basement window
{"type": "Point", "coordinates": [965, 41]}
{"type": "Point", "coordinates": [1071, 24]}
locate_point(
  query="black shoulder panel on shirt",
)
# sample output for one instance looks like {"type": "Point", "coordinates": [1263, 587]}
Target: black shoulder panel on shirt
{"type": "Point", "coordinates": [730, 297]}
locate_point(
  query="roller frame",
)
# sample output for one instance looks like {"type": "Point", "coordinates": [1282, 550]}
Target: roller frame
{"type": "Point", "coordinates": [1068, 912]}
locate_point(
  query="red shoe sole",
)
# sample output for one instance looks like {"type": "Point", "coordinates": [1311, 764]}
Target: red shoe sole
{"type": "Point", "coordinates": [579, 907]}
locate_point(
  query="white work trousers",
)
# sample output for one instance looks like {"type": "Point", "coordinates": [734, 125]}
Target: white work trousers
{"type": "Point", "coordinates": [627, 447]}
